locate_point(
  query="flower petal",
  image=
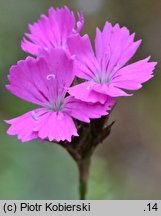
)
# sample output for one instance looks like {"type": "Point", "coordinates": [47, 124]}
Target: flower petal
{"type": "Point", "coordinates": [61, 65]}
{"type": "Point", "coordinates": [43, 124]}
{"type": "Point", "coordinates": [85, 111]}
{"type": "Point", "coordinates": [109, 90]}
{"type": "Point", "coordinates": [52, 30]}
{"type": "Point", "coordinates": [27, 80]}
{"type": "Point", "coordinates": [85, 62]}
{"type": "Point", "coordinates": [117, 43]}
{"type": "Point", "coordinates": [80, 23]}
{"type": "Point", "coordinates": [102, 40]}
{"type": "Point", "coordinates": [85, 92]}
{"type": "Point", "coordinates": [57, 126]}
{"type": "Point", "coordinates": [42, 80]}
{"type": "Point", "coordinates": [23, 125]}
{"type": "Point", "coordinates": [132, 76]}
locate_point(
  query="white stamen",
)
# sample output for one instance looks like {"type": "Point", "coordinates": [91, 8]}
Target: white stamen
{"type": "Point", "coordinates": [35, 117]}
{"type": "Point", "coordinates": [50, 76]}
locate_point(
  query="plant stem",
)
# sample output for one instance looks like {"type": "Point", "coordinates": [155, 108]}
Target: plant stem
{"type": "Point", "coordinates": [83, 166]}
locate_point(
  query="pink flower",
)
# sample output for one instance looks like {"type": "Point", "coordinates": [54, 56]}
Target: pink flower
{"type": "Point", "coordinates": [52, 30]}
{"type": "Point", "coordinates": [44, 82]}
{"type": "Point", "coordinates": [105, 72]}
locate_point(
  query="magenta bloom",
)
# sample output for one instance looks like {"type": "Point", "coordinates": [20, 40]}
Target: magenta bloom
{"type": "Point", "coordinates": [105, 72]}
{"type": "Point", "coordinates": [44, 82]}
{"type": "Point", "coordinates": [52, 30]}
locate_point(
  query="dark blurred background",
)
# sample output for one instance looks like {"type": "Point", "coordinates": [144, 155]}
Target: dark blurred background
{"type": "Point", "coordinates": [128, 164]}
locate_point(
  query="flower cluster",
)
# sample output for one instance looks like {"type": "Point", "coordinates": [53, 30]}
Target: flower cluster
{"type": "Point", "coordinates": [67, 79]}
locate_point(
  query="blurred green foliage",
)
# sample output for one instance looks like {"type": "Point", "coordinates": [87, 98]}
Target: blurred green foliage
{"type": "Point", "coordinates": [128, 165]}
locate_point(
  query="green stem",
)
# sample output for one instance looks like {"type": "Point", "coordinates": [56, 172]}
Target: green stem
{"type": "Point", "coordinates": [83, 166]}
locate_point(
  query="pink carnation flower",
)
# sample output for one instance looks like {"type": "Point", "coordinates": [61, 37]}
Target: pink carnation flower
{"type": "Point", "coordinates": [44, 82]}
{"type": "Point", "coordinates": [105, 72]}
{"type": "Point", "coordinates": [52, 30]}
